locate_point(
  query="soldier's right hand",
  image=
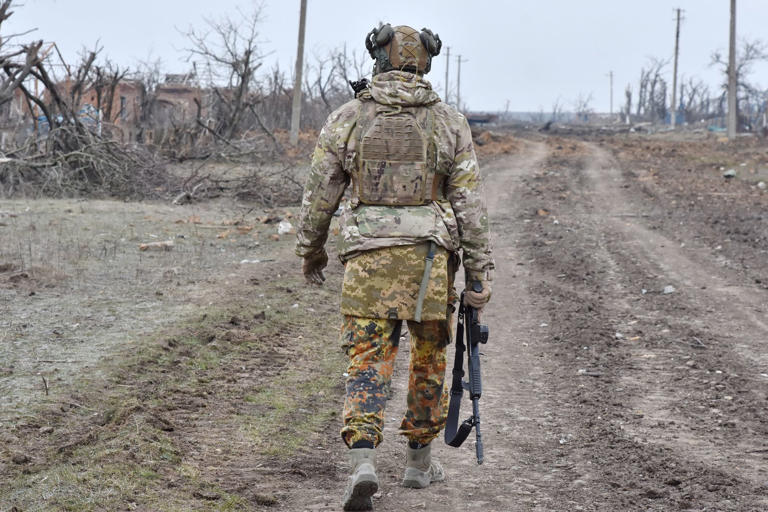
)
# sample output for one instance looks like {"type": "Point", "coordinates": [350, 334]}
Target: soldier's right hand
{"type": "Point", "coordinates": [313, 267]}
{"type": "Point", "coordinates": [478, 300]}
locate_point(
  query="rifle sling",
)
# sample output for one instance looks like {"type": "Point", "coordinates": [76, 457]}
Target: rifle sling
{"type": "Point", "coordinates": [455, 435]}
{"type": "Point", "coordinates": [428, 261]}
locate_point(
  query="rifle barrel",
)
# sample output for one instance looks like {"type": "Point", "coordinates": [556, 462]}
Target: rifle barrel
{"type": "Point", "coordinates": [479, 436]}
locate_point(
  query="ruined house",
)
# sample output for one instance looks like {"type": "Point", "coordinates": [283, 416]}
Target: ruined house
{"type": "Point", "coordinates": [176, 101]}
{"type": "Point", "coordinates": [17, 120]}
{"type": "Point", "coordinates": [124, 110]}
{"type": "Point", "coordinates": [121, 113]}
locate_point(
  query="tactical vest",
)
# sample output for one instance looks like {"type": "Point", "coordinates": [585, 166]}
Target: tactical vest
{"type": "Point", "coordinates": [393, 157]}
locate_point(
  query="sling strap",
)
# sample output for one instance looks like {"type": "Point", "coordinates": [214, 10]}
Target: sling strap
{"type": "Point", "coordinates": [428, 261]}
{"type": "Point", "coordinates": [455, 435]}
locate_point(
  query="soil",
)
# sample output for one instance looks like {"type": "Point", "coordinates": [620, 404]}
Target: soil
{"type": "Point", "coordinates": [75, 286]}
{"type": "Point", "coordinates": [627, 367]}
{"type": "Point", "coordinates": [602, 392]}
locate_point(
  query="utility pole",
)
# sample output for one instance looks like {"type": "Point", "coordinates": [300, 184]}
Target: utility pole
{"type": "Point", "coordinates": [732, 75]}
{"type": "Point", "coordinates": [459, 60]}
{"type": "Point", "coordinates": [610, 75]}
{"type": "Point", "coordinates": [296, 113]}
{"type": "Point", "coordinates": [447, 64]}
{"type": "Point", "coordinates": [674, 73]}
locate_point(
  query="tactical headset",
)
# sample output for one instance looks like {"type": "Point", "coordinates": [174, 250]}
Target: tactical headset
{"type": "Point", "coordinates": [379, 43]}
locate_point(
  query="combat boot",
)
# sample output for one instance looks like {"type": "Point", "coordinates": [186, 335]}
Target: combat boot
{"type": "Point", "coordinates": [420, 469]}
{"type": "Point", "coordinates": [362, 483]}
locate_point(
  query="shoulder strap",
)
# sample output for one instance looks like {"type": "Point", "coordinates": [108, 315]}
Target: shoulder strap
{"type": "Point", "coordinates": [437, 179]}
{"type": "Point", "coordinates": [455, 435]}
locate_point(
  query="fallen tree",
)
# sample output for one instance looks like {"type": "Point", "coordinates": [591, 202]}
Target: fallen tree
{"type": "Point", "coordinates": [73, 155]}
{"type": "Point", "coordinates": [79, 143]}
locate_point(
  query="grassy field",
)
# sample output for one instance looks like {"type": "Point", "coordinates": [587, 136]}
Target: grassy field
{"type": "Point", "coordinates": [223, 372]}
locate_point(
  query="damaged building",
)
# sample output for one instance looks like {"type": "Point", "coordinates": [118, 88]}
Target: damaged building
{"type": "Point", "coordinates": [124, 109]}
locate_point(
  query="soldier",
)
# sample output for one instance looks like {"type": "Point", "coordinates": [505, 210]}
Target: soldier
{"type": "Point", "coordinates": [415, 205]}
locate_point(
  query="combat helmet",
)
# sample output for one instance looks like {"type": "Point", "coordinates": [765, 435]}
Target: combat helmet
{"type": "Point", "coordinates": [402, 48]}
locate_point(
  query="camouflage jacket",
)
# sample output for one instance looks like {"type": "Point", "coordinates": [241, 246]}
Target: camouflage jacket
{"type": "Point", "coordinates": [456, 220]}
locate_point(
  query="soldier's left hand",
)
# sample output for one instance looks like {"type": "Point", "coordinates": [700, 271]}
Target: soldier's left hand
{"type": "Point", "coordinates": [478, 300]}
{"type": "Point", "coordinates": [313, 267]}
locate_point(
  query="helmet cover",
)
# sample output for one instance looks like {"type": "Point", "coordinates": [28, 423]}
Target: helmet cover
{"type": "Point", "coordinates": [402, 48]}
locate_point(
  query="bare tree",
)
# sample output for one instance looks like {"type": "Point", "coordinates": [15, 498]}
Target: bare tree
{"type": "Point", "coordinates": [750, 103]}
{"type": "Point", "coordinates": [17, 62]}
{"type": "Point", "coordinates": [628, 104]}
{"type": "Point", "coordinates": [71, 155]}
{"type": "Point", "coordinates": [60, 102]}
{"type": "Point", "coordinates": [352, 66]}
{"type": "Point", "coordinates": [695, 100]}
{"type": "Point", "coordinates": [652, 91]}
{"type": "Point", "coordinates": [642, 89]}
{"type": "Point", "coordinates": [582, 106]}
{"type": "Point", "coordinates": [231, 53]}
{"type": "Point", "coordinates": [320, 79]}
{"type": "Point", "coordinates": [148, 75]}
{"type": "Point", "coordinates": [276, 99]}
{"type": "Point", "coordinates": [106, 78]}
{"type": "Point", "coordinates": [752, 107]}
{"type": "Point", "coordinates": [658, 99]}
{"type": "Point", "coordinates": [557, 110]}
{"type": "Point", "coordinates": [539, 117]}
{"type": "Point", "coordinates": [327, 83]}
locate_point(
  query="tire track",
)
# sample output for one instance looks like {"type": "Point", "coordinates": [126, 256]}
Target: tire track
{"type": "Point", "coordinates": [699, 425]}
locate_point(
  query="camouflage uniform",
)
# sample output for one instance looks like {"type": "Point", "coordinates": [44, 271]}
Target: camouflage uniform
{"type": "Point", "coordinates": [426, 188]}
{"type": "Point", "coordinates": [371, 344]}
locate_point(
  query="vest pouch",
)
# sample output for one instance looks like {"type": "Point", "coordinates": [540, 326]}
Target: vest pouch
{"type": "Point", "coordinates": [406, 222]}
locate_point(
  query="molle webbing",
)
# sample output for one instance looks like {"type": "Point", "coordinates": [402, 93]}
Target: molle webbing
{"type": "Point", "coordinates": [394, 138]}
{"type": "Point", "coordinates": [396, 157]}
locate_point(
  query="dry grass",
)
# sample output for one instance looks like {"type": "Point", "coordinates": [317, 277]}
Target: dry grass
{"type": "Point", "coordinates": [243, 385]}
{"type": "Point", "coordinates": [171, 375]}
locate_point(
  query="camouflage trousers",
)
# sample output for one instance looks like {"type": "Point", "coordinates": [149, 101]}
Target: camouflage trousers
{"type": "Point", "coordinates": [371, 345]}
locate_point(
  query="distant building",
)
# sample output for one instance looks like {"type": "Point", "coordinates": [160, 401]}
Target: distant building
{"type": "Point", "coordinates": [181, 78]}
{"type": "Point", "coordinates": [481, 118]}
{"type": "Point", "coordinates": [126, 109]}
{"type": "Point", "coordinates": [176, 103]}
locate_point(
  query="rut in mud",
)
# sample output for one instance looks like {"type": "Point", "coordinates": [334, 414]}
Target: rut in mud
{"type": "Point", "coordinates": [665, 388]}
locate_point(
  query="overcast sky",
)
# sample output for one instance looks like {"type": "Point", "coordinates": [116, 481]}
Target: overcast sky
{"type": "Point", "coordinates": [527, 53]}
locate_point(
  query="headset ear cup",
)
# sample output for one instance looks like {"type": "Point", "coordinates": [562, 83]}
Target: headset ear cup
{"type": "Point", "coordinates": [438, 45]}
{"type": "Point", "coordinates": [384, 35]}
{"type": "Point", "coordinates": [370, 44]}
{"type": "Point", "coordinates": [431, 42]}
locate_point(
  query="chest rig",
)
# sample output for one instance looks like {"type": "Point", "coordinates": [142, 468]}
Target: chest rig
{"type": "Point", "coordinates": [394, 158]}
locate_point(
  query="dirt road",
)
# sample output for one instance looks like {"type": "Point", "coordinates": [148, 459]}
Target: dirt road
{"type": "Point", "coordinates": [627, 368]}
{"type": "Point", "coordinates": [603, 391]}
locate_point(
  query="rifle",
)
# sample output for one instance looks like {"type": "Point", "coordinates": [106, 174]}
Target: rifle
{"type": "Point", "coordinates": [469, 322]}
{"type": "Point", "coordinates": [359, 86]}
